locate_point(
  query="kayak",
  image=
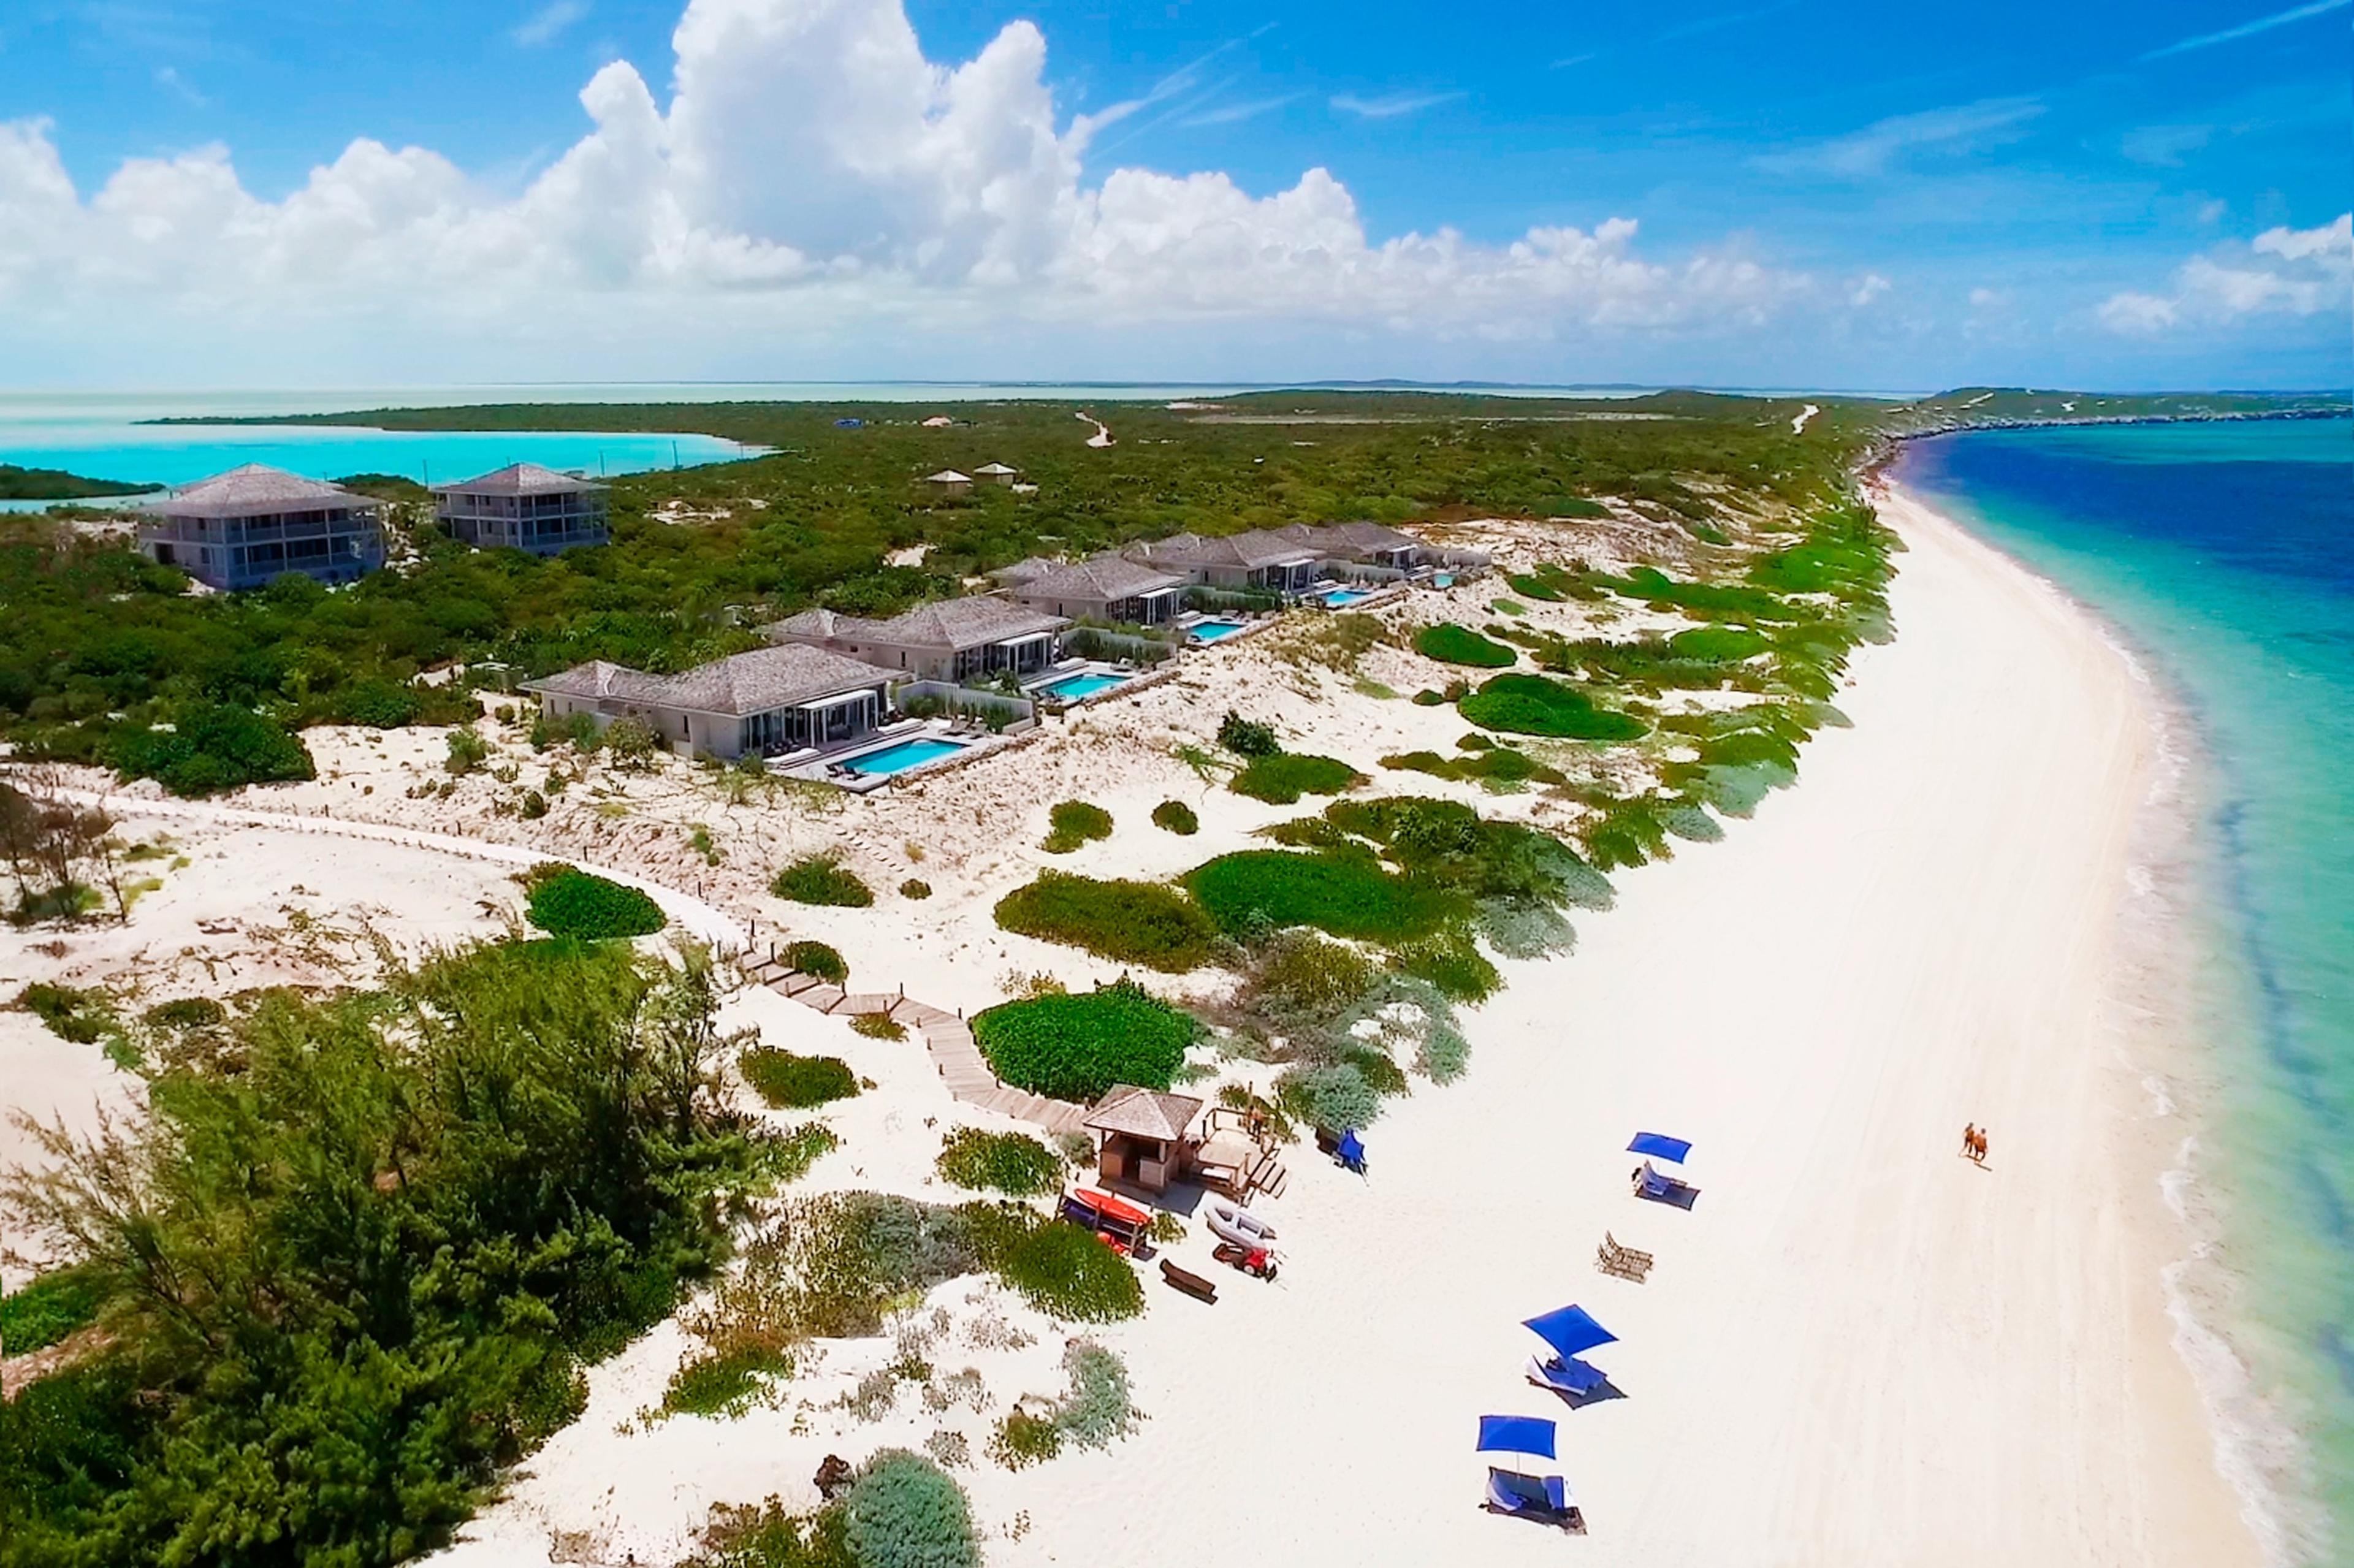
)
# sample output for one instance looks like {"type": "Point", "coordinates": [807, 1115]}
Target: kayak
{"type": "Point", "coordinates": [1232, 1221]}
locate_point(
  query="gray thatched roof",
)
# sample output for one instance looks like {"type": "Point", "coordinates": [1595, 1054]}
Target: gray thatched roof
{"type": "Point", "coordinates": [1108, 576]}
{"type": "Point", "coordinates": [1350, 539]}
{"type": "Point", "coordinates": [761, 681]}
{"type": "Point", "coordinates": [258, 489]}
{"type": "Point", "coordinates": [951, 623]}
{"type": "Point", "coordinates": [520, 479]}
{"type": "Point", "coordinates": [1144, 1113]}
{"type": "Point", "coordinates": [1249, 550]}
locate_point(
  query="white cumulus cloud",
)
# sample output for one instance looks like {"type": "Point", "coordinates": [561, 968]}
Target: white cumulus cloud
{"type": "Point", "coordinates": [808, 170]}
{"type": "Point", "coordinates": [2282, 271]}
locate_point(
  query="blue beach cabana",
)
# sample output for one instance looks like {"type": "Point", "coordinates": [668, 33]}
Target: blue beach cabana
{"type": "Point", "coordinates": [1654, 1184]}
{"type": "Point", "coordinates": [1571, 1331]}
{"type": "Point", "coordinates": [1542, 1497]}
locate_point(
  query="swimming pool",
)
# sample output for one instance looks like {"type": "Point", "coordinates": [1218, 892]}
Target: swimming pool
{"type": "Point", "coordinates": [905, 755]}
{"type": "Point", "coordinates": [1071, 688]}
{"type": "Point", "coordinates": [1339, 598]}
{"type": "Point", "coordinates": [1211, 631]}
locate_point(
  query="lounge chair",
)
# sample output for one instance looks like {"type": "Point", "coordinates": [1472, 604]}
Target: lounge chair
{"type": "Point", "coordinates": [1543, 1499]}
{"type": "Point", "coordinates": [1568, 1376]}
{"type": "Point", "coordinates": [1660, 1188]}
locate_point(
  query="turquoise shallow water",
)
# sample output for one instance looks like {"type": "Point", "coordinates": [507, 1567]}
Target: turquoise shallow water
{"type": "Point", "coordinates": [2225, 553]}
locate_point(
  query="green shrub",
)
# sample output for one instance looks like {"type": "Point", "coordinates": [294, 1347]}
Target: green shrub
{"type": "Point", "coordinates": [820, 879]}
{"type": "Point", "coordinates": [1100, 1407]}
{"type": "Point", "coordinates": [187, 1013]}
{"type": "Point", "coordinates": [1071, 823]}
{"type": "Point", "coordinates": [1281, 778]}
{"type": "Point", "coordinates": [790, 1082]}
{"type": "Point", "coordinates": [1533, 705]}
{"type": "Point", "coordinates": [1333, 1096]}
{"type": "Point", "coordinates": [1247, 737]}
{"type": "Point", "coordinates": [1010, 1162]}
{"type": "Point", "coordinates": [815, 958]}
{"type": "Point", "coordinates": [72, 1014]}
{"type": "Point", "coordinates": [1717, 644]}
{"type": "Point", "coordinates": [1068, 1273]}
{"type": "Point", "coordinates": [915, 888]}
{"type": "Point", "coordinates": [1508, 607]}
{"type": "Point", "coordinates": [1258, 892]}
{"type": "Point", "coordinates": [1176, 817]}
{"type": "Point", "coordinates": [903, 1511]}
{"type": "Point", "coordinates": [534, 807]}
{"type": "Point", "coordinates": [1451, 961]}
{"type": "Point", "coordinates": [770, 1537]}
{"type": "Point", "coordinates": [566, 902]}
{"type": "Point", "coordinates": [467, 751]}
{"type": "Point", "coordinates": [1076, 1047]}
{"type": "Point", "coordinates": [1024, 1439]}
{"type": "Point", "coordinates": [724, 1382]}
{"type": "Point", "coordinates": [1426, 698]}
{"type": "Point", "coordinates": [210, 748]}
{"type": "Point", "coordinates": [48, 1308]}
{"type": "Point", "coordinates": [877, 1026]}
{"type": "Point", "coordinates": [1128, 922]}
{"type": "Point", "coordinates": [1534, 588]}
{"type": "Point", "coordinates": [1452, 644]}
{"type": "Point", "coordinates": [376, 703]}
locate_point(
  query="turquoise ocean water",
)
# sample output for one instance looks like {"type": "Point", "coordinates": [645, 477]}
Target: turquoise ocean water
{"type": "Point", "coordinates": [2225, 554]}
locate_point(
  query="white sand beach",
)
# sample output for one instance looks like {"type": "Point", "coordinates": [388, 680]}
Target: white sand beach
{"type": "Point", "coordinates": [1856, 1348]}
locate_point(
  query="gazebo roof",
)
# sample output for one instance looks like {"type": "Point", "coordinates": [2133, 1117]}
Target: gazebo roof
{"type": "Point", "coordinates": [1144, 1113]}
{"type": "Point", "coordinates": [948, 476]}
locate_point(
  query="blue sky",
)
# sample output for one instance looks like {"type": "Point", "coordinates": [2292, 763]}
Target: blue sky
{"type": "Point", "coordinates": [1819, 195]}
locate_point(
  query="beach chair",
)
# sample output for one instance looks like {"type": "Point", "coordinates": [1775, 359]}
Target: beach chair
{"type": "Point", "coordinates": [1568, 1376]}
{"type": "Point", "coordinates": [1544, 1499]}
{"type": "Point", "coordinates": [1622, 1262]}
{"type": "Point", "coordinates": [1659, 1188]}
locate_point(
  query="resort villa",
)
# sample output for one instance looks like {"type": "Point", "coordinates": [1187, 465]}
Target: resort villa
{"type": "Point", "coordinates": [951, 639]}
{"type": "Point", "coordinates": [766, 702]}
{"type": "Point", "coordinates": [524, 507]}
{"type": "Point", "coordinates": [240, 529]}
{"type": "Point", "coordinates": [948, 482]}
{"type": "Point", "coordinates": [1108, 587]}
{"type": "Point", "coordinates": [996, 473]}
{"type": "Point", "coordinates": [1368, 544]}
{"type": "Point", "coordinates": [1256, 559]}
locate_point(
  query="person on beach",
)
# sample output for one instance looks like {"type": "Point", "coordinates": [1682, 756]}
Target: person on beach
{"type": "Point", "coordinates": [1979, 1150]}
{"type": "Point", "coordinates": [1970, 1140]}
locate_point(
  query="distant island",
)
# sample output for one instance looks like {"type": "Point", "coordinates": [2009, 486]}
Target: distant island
{"type": "Point", "coordinates": [56, 484]}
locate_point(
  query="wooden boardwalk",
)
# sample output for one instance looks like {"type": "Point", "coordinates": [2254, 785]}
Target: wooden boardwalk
{"type": "Point", "coordinates": [947, 1037]}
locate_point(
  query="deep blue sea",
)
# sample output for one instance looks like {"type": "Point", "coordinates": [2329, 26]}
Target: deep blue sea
{"type": "Point", "coordinates": [2224, 555]}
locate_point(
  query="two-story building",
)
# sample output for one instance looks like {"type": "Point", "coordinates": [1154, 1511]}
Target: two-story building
{"type": "Point", "coordinates": [240, 529]}
{"type": "Point", "coordinates": [525, 507]}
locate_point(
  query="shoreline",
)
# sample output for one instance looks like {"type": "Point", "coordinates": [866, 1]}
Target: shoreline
{"type": "Point", "coordinates": [2174, 982]}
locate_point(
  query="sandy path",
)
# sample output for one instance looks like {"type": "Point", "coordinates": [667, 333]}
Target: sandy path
{"type": "Point", "coordinates": [1857, 1348]}
{"type": "Point", "coordinates": [1799, 420]}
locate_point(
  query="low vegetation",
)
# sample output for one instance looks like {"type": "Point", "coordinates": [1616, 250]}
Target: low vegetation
{"type": "Point", "coordinates": [817, 960]}
{"type": "Point", "coordinates": [565, 902]}
{"type": "Point", "coordinates": [1281, 778]}
{"type": "Point", "coordinates": [1076, 1046]}
{"type": "Point", "coordinates": [1499, 769]}
{"type": "Point", "coordinates": [363, 1273]}
{"type": "Point", "coordinates": [1176, 817]}
{"type": "Point", "coordinates": [48, 1308]}
{"type": "Point", "coordinates": [1452, 644]}
{"type": "Point", "coordinates": [1536, 705]}
{"type": "Point", "coordinates": [1252, 894]}
{"type": "Point", "coordinates": [1128, 922]}
{"type": "Point", "coordinates": [820, 879]}
{"type": "Point", "coordinates": [1071, 823]}
{"type": "Point", "coordinates": [902, 1512]}
{"type": "Point", "coordinates": [1014, 1163]}
{"type": "Point", "coordinates": [796, 1083]}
